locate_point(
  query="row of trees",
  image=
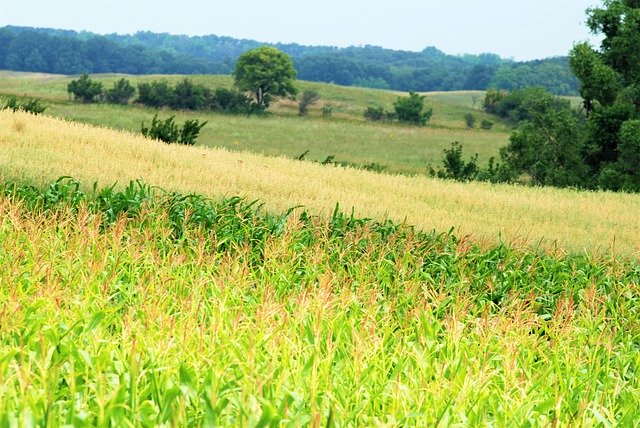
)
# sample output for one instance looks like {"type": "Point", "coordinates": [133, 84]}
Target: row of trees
{"type": "Point", "coordinates": [68, 52]}
{"type": "Point", "coordinates": [264, 73]}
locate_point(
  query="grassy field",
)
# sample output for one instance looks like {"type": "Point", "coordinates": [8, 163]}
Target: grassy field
{"type": "Point", "coordinates": [144, 308]}
{"type": "Point", "coordinates": [40, 149]}
{"type": "Point", "coordinates": [345, 135]}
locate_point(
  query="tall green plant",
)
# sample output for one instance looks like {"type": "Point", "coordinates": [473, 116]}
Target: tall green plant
{"type": "Point", "coordinates": [169, 132]}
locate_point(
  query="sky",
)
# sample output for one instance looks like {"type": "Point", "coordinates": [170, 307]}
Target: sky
{"type": "Point", "coordinates": [518, 29]}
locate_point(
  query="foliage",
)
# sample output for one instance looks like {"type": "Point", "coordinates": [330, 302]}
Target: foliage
{"type": "Point", "coordinates": [30, 105]}
{"type": "Point", "coordinates": [510, 105]}
{"type": "Point", "coordinates": [327, 110]}
{"type": "Point", "coordinates": [69, 52]}
{"type": "Point", "coordinates": [378, 114]}
{"type": "Point", "coordinates": [493, 100]}
{"type": "Point", "coordinates": [190, 131]}
{"type": "Point", "coordinates": [169, 132]}
{"type": "Point", "coordinates": [411, 109]}
{"type": "Point", "coordinates": [486, 124]}
{"type": "Point", "coordinates": [624, 174]}
{"type": "Point", "coordinates": [610, 85]}
{"type": "Point", "coordinates": [549, 145]}
{"type": "Point", "coordinates": [121, 93]}
{"type": "Point", "coordinates": [230, 100]}
{"type": "Point", "coordinates": [84, 89]}
{"type": "Point", "coordinates": [308, 98]}
{"type": "Point", "coordinates": [158, 93]}
{"type": "Point", "coordinates": [190, 96]}
{"type": "Point", "coordinates": [455, 167]}
{"type": "Point", "coordinates": [551, 74]}
{"type": "Point", "coordinates": [600, 83]}
{"type": "Point", "coordinates": [266, 72]}
{"type": "Point", "coordinates": [470, 120]}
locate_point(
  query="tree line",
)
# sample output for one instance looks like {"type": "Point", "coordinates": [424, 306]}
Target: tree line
{"type": "Point", "coordinates": [69, 52]}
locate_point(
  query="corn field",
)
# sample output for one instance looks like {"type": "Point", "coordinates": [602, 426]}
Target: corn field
{"type": "Point", "coordinates": [144, 307]}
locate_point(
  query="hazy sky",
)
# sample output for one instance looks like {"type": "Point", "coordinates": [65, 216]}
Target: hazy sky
{"type": "Point", "coordinates": [521, 29]}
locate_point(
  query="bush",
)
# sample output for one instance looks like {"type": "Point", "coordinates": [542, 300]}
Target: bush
{"type": "Point", "coordinates": [169, 132]}
{"type": "Point", "coordinates": [378, 114]}
{"type": "Point", "coordinates": [230, 101]}
{"type": "Point", "coordinates": [486, 124]}
{"type": "Point", "coordinates": [455, 167]}
{"type": "Point", "coordinates": [85, 90]}
{"type": "Point", "coordinates": [155, 94]}
{"type": "Point", "coordinates": [190, 131]}
{"type": "Point", "coordinates": [411, 109]}
{"type": "Point", "coordinates": [29, 105]}
{"type": "Point", "coordinates": [374, 114]}
{"type": "Point", "coordinates": [121, 92]}
{"type": "Point", "coordinates": [470, 120]}
{"type": "Point", "coordinates": [307, 99]}
{"type": "Point", "coordinates": [190, 96]}
{"type": "Point", "coordinates": [327, 110]}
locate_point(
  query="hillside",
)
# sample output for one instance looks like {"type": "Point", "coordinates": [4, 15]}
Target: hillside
{"type": "Point", "coordinates": [40, 149]}
{"type": "Point", "coordinates": [69, 52]}
{"type": "Point", "coordinates": [345, 135]}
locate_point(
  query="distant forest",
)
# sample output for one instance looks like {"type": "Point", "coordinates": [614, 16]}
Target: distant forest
{"type": "Point", "coordinates": [70, 52]}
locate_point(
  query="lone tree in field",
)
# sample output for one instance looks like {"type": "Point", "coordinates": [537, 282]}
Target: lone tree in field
{"type": "Point", "coordinates": [266, 72]}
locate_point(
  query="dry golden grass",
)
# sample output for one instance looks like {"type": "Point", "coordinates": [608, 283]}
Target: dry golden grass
{"type": "Point", "coordinates": [40, 149]}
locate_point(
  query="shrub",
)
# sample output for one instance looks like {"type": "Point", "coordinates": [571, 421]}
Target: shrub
{"type": "Point", "coordinates": [377, 114]}
{"type": "Point", "coordinates": [190, 96]}
{"type": "Point", "coordinates": [155, 94]}
{"type": "Point", "coordinates": [307, 99]}
{"type": "Point", "coordinates": [163, 130]}
{"type": "Point", "coordinates": [190, 131]}
{"type": "Point", "coordinates": [470, 120]}
{"type": "Point", "coordinates": [486, 124]}
{"type": "Point", "coordinates": [455, 167]}
{"type": "Point", "coordinates": [229, 100]}
{"type": "Point", "coordinates": [84, 89]}
{"type": "Point", "coordinates": [411, 109]}
{"type": "Point", "coordinates": [29, 105]}
{"type": "Point", "coordinates": [13, 104]}
{"type": "Point", "coordinates": [121, 92]}
{"type": "Point", "coordinates": [169, 132]}
{"type": "Point", "coordinates": [327, 110]}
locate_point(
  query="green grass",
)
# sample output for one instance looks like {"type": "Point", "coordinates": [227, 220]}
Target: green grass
{"type": "Point", "coordinates": [345, 135]}
{"type": "Point", "coordinates": [143, 308]}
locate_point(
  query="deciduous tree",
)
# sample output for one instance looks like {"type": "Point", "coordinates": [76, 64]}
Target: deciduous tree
{"type": "Point", "coordinates": [266, 72]}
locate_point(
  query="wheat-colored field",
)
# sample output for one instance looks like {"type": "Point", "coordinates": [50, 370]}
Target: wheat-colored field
{"type": "Point", "coordinates": [40, 149]}
{"type": "Point", "coordinates": [346, 135]}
